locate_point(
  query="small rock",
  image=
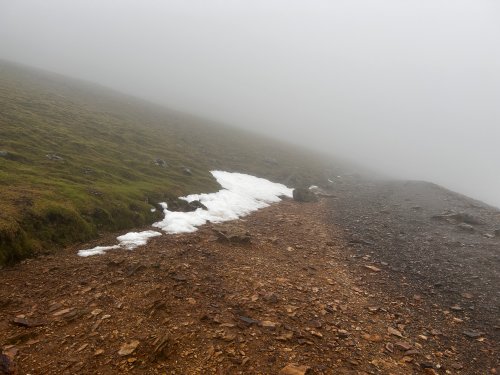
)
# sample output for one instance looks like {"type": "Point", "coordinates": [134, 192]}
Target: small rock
{"type": "Point", "coordinates": [285, 336]}
{"type": "Point", "coordinates": [497, 233]}
{"type": "Point", "coordinates": [128, 348]}
{"type": "Point", "coordinates": [96, 312]}
{"type": "Point", "coordinates": [54, 157]}
{"type": "Point", "coordinates": [457, 366]}
{"type": "Point", "coordinates": [411, 352]}
{"type": "Point", "coordinates": [304, 195]}
{"type": "Point", "coordinates": [343, 333]}
{"type": "Point", "coordinates": [270, 298]}
{"type": "Point", "coordinates": [160, 163]}
{"type": "Point", "coordinates": [394, 332]}
{"type": "Point", "coordinates": [473, 334]}
{"type": "Point", "coordinates": [268, 324]}
{"type": "Point", "coordinates": [373, 268]}
{"type": "Point", "coordinates": [62, 312]}
{"type": "Point", "coordinates": [3, 153]}
{"type": "Point", "coordinates": [317, 334]}
{"type": "Point", "coordinates": [426, 365]}
{"type": "Point", "coordinates": [291, 369]}
{"type": "Point", "coordinates": [248, 320]}
{"type": "Point", "coordinates": [7, 364]}
{"type": "Point", "coordinates": [372, 338]}
{"type": "Point", "coordinates": [187, 171]}
{"type": "Point", "coordinates": [22, 321]}
{"type": "Point", "coordinates": [402, 345]}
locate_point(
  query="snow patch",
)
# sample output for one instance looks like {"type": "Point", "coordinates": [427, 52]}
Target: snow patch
{"type": "Point", "coordinates": [98, 250]}
{"type": "Point", "coordinates": [128, 241]}
{"type": "Point", "coordinates": [135, 239]}
{"type": "Point", "coordinates": [241, 195]}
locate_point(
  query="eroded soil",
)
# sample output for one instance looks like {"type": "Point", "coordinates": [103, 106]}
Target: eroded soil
{"type": "Point", "coordinates": [299, 293]}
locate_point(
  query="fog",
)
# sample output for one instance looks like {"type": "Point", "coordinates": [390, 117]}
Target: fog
{"type": "Point", "coordinates": [410, 88]}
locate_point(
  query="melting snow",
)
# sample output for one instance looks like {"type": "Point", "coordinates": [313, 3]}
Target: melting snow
{"type": "Point", "coordinates": [128, 241]}
{"type": "Point", "coordinates": [241, 194]}
{"type": "Point", "coordinates": [135, 239]}
{"type": "Point", "coordinates": [97, 250]}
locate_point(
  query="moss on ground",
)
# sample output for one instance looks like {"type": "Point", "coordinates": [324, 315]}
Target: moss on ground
{"type": "Point", "coordinates": [77, 159]}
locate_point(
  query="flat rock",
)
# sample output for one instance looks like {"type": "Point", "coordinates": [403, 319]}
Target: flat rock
{"type": "Point", "coordinates": [394, 332]}
{"type": "Point", "coordinates": [294, 370]}
{"type": "Point", "coordinates": [373, 268]}
{"type": "Point", "coordinates": [473, 334]}
{"type": "Point", "coordinates": [128, 348]}
{"type": "Point", "coordinates": [62, 312]}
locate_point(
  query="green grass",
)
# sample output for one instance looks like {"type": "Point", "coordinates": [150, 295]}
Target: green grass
{"type": "Point", "coordinates": [107, 180]}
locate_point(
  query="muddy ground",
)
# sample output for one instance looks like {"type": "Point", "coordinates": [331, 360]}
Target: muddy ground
{"type": "Point", "coordinates": [363, 283]}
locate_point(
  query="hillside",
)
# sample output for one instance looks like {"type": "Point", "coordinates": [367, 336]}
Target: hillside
{"type": "Point", "coordinates": [77, 159]}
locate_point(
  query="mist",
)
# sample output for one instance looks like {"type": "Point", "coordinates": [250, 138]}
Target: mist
{"type": "Point", "coordinates": [407, 88]}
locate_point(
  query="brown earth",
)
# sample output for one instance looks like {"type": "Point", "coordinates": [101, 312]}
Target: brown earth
{"type": "Point", "coordinates": [298, 294]}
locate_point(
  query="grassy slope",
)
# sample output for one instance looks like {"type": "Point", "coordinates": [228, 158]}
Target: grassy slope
{"type": "Point", "coordinates": [107, 180]}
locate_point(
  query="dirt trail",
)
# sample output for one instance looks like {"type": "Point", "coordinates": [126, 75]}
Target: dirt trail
{"type": "Point", "coordinates": [191, 304]}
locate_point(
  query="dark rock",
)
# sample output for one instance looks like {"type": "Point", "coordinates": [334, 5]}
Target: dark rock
{"type": "Point", "coordinates": [473, 334]}
{"type": "Point", "coordinates": [402, 345]}
{"type": "Point", "coordinates": [425, 365]}
{"type": "Point", "coordinates": [232, 235]}
{"type": "Point", "coordinates": [197, 204]}
{"type": "Point", "coordinates": [160, 163]}
{"type": "Point", "coordinates": [248, 321]}
{"type": "Point", "coordinates": [7, 365]}
{"type": "Point", "coordinates": [180, 205]}
{"type": "Point", "coordinates": [342, 333]}
{"type": "Point", "coordinates": [3, 153]}
{"type": "Point", "coordinates": [497, 233]}
{"type": "Point", "coordinates": [25, 322]}
{"type": "Point", "coordinates": [304, 195]}
{"type": "Point", "coordinates": [271, 298]}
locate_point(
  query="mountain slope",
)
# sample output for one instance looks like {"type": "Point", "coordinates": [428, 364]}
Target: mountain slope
{"type": "Point", "coordinates": [77, 159]}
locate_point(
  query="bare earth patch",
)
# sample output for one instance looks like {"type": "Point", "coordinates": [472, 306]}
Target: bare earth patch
{"type": "Point", "coordinates": [277, 292]}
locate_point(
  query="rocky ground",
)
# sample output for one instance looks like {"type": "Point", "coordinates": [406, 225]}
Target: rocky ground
{"type": "Point", "coordinates": [322, 288]}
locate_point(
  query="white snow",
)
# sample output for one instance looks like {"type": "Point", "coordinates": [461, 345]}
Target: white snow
{"type": "Point", "coordinates": [128, 241]}
{"type": "Point", "coordinates": [98, 250]}
{"type": "Point", "coordinates": [241, 194]}
{"type": "Point", "coordinates": [135, 239]}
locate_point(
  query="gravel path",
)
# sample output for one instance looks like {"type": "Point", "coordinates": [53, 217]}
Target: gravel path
{"type": "Point", "coordinates": [282, 291]}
